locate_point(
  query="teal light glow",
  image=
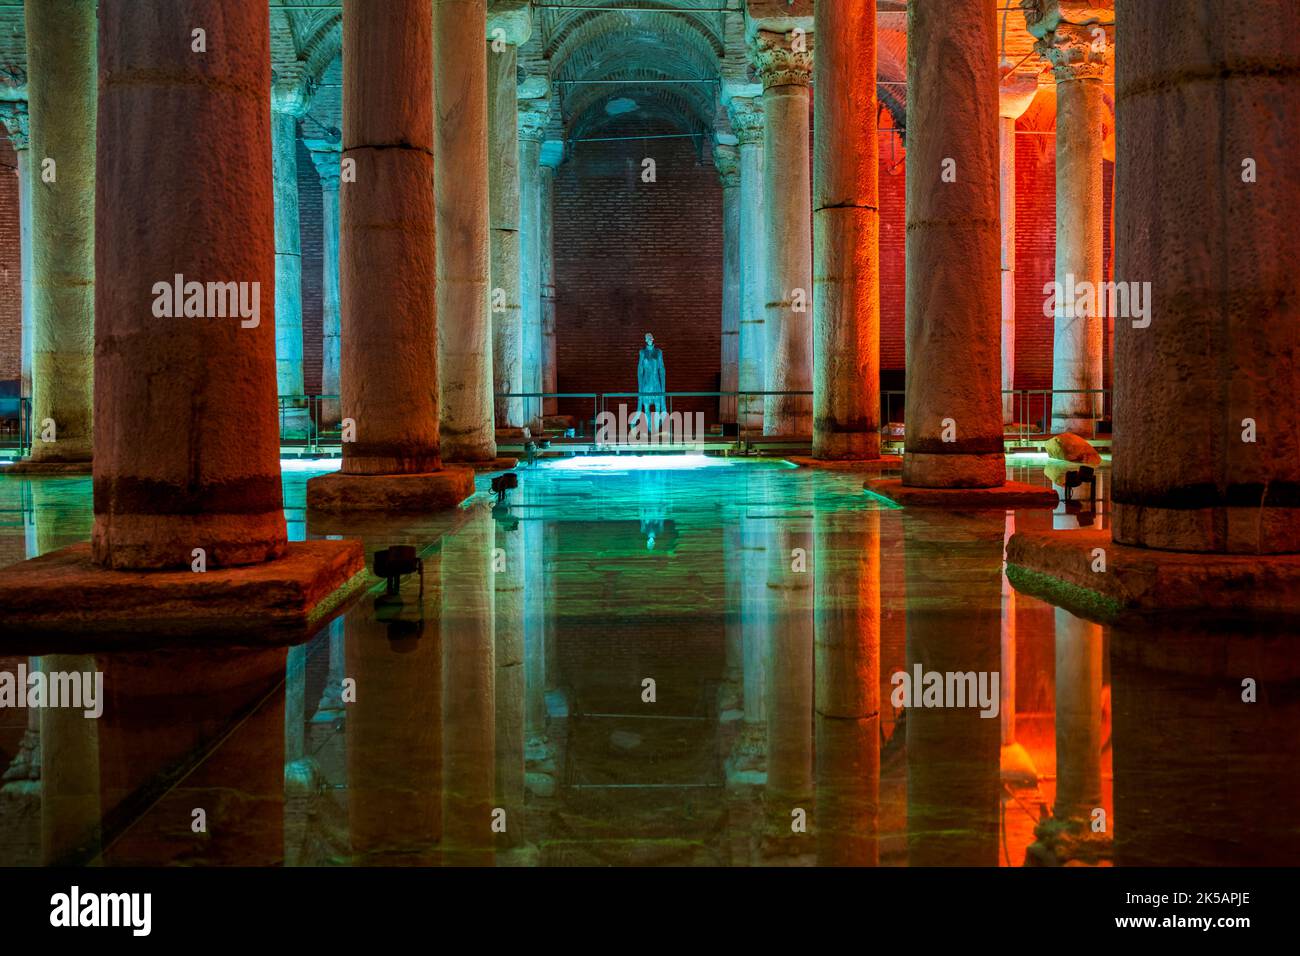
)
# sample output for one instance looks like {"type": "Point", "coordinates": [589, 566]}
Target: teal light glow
{"type": "Point", "coordinates": [313, 466]}
{"type": "Point", "coordinates": [624, 463]}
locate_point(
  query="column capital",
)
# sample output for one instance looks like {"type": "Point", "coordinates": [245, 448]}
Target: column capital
{"type": "Point", "coordinates": [782, 59]}
{"type": "Point", "coordinates": [552, 153]}
{"type": "Point", "coordinates": [326, 160]}
{"type": "Point", "coordinates": [534, 117]}
{"type": "Point", "coordinates": [727, 160]}
{"type": "Point", "coordinates": [1015, 93]}
{"type": "Point", "coordinates": [509, 22]}
{"type": "Point", "coordinates": [14, 115]}
{"type": "Point", "coordinates": [1076, 51]}
{"type": "Point", "coordinates": [292, 94]}
{"type": "Point", "coordinates": [746, 117]}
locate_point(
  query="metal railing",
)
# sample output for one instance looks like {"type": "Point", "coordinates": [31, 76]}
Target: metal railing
{"type": "Point", "coordinates": [16, 426]}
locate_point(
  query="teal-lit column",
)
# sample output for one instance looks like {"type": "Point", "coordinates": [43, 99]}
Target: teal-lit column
{"type": "Point", "coordinates": [727, 160]}
{"type": "Point", "coordinates": [508, 27]}
{"type": "Point", "coordinates": [288, 104]}
{"type": "Point", "coordinates": [552, 154]}
{"type": "Point", "coordinates": [783, 62]}
{"type": "Point", "coordinates": [61, 91]}
{"type": "Point", "coordinates": [533, 117]}
{"type": "Point", "coordinates": [14, 116]}
{"type": "Point", "coordinates": [326, 160]}
{"type": "Point", "coordinates": [747, 123]}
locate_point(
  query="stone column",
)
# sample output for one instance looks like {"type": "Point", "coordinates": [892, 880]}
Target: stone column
{"type": "Point", "coordinates": [188, 453]}
{"type": "Point", "coordinates": [288, 104]}
{"type": "Point", "coordinates": [461, 186]}
{"type": "Point", "coordinates": [747, 123]}
{"type": "Point", "coordinates": [727, 159]}
{"type": "Point", "coordinates": [1203, 166]}
{"type": "Point", "coordinates": [533, 117]}
{"type": "Point", "coordinates": [327, 167]}
{"type": "Point", "coordinates": [786, 73]}
{"type": "Point", "coordinates": [14, 116]}
{"type": "Point", "coordinates": [846, 236]}
{"type": "Point", "coordinates": [387, 272]}
{"type": "Point", "coordinates": [552, 154]}
{"type": "Point", "coordinates": [1015, 93]}
{"type": "Point", "coordinates": [506, 32]}
{"type": "Point", "coordinates": [1078, 338]}
{"type": "Point", "coordinates": [61, 89]}
{"type": "Point", "coordinates": [954, 414]}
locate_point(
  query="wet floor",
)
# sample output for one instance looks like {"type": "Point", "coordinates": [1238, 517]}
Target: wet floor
{"type": "Point", "coordinates": [681, 661]}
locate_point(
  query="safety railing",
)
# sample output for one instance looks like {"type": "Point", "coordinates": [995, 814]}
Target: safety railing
{"type": "Point", "coordinates": [15, 426]}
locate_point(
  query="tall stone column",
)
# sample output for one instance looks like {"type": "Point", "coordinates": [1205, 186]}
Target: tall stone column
{"type": "Point", "coordinates": [327, 168]}
{"type": "Point", "coordinates": [1015, 93]}
{"type": "Point", "coordinates": [14, 116]}
{"type": "Point", "coordinates": [188, 452]}
{"type": "Point", "coordinates": [61, 89]}
{"type": "Point", "coordinates": [846, 236]}
{"type": "Point", "coordinates": [1077, 342]}
{"type": "Point", "coordinates": [533, 117]}
{"type": "Point", "coordinates": [507, 30]}
{"type": "Point", "coordinates": [954, 414]}
{"type": "Point", "coordinates": [747, 123]}
{"type": "Point", "coordinates": [727, 159]}
{"type": "Point", "coordinates": [552, 154]}
{"type": "Point", "coordinates": [461, 186]}
{"type": "Point", "coordinates": [1203, 166]}
{"type": "Point", "coordinates": [387, 273]}
{"type": "Point", "coordinates": [786, 73]}
{"type": "Point", "coordinates": [288, 104]}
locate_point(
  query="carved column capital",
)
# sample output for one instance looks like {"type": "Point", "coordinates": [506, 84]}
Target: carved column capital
{"type": "Point", "coordinates": [746, 119]}
{"type": "Point", "coordinates": [782, 59]}
{"type": "Point", "coordinates": [14, 116]}
{"type": "Point", "coordinates": [326, 162]}
{"type": "Point", "coordinates": [534, 117]}
{"type": "Point", "coordinates": [727, 160]}
{"type": "Point", "coordinates": [1076, 51]}
{"type": "Point", "coordinates": [292, 94]}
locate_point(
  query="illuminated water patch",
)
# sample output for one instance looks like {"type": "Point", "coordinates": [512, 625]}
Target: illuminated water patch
{"type": "Point", "coordinates": [615, 463]}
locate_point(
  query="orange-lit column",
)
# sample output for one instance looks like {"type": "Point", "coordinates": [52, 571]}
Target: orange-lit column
{"type": "Point", "coordinates": [1202, 165]}
{"type": "Point", "coordinates": [1015, 93]}
{"type": "Point", "coordinates": [187, 444]}
{"type": "Point", "coordinates": [1078, 61]}
{"type": "Point", "coordinates": [846, 228]}
{"type": "Point", "coordinates": [954, 413]}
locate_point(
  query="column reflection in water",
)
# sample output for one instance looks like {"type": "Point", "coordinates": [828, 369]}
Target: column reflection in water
{"type": "Point", "coordinates": [790, 667]}
{"type": "Point", "coordinates": [1204, 776]}
{"type": "Point", "coordinates": [747, 762]}
{"type": "Point", "coordinates": [185, 731]}
{"type": "Point", "coordinates": [847, 687]}
{"type": "Point", "coordinates": [953, 570]}
{"type": "Point", "coordinates": [470, 701]}
{"type": "Point", "coordinates": [511, 577]}
{"type": "Point", "coordinates": [394, 660]}
{"type": "Point", "coordinates": [1018, 770]}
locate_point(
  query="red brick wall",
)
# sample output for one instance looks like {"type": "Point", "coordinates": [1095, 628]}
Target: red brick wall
{"type": "Point", "coordinates": [11, 274]}
{"type": "Point", "coordinates": [634, 257]}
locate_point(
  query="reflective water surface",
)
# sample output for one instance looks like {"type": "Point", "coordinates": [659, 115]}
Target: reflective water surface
{"type": "Point", "coordinates": [677, 661]}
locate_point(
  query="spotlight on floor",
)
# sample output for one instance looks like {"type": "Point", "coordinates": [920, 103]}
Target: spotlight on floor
{"type": "Point", "coordinates": [395, 563]}
{"type": "Point", "coordinates": [503, 483]}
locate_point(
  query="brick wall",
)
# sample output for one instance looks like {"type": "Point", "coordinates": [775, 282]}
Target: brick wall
{"type": "Point", "coordinates": [11, 275]}
{"type": "Point", "coordinates": [634, 257]}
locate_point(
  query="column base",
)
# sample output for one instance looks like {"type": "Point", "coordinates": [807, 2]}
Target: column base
{"type": "Point", "coordinates": [63, 596]}
{"type": "Point", "coordinates": [1057, 566]}
{"type": "Point", "coordinates": [491, 465]}
{"type": "Point", "coordinates": [340, 493]}
{"type": "Point", "coordinates": [37, 469]}
{"type": "Point", "coordinates": [867, 465]}
{"type": "Point", "coordinates": [1012, 494]}
{"type": "Point", "coordinates": [510, 436]}
{"type": "Point", "coordinates": [956, 470]}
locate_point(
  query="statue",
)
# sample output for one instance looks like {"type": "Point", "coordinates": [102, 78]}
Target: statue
{"type": "Point", "coordinates": [650, 382]}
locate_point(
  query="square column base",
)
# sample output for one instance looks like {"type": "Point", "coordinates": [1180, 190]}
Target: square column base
{"type": "Point", "coordinates": [490, 465]}
{"type": "Point", "coordinates": [863, 465]}
{"type": "Point", "coordinates": [338, 493]}
{"type": "Point", "coordinates": [1058, 567]}
{"type": "Point", "coordinates": [1013, 494]}
{"type": "Point", "coordinates": [64, 599]}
